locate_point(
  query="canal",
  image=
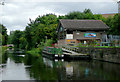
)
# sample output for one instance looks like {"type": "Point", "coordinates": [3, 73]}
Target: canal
{"type": "Point", "coordinates": [28, 67]}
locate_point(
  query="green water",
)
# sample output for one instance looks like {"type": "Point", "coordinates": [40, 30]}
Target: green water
{"type": "Point", "coordinates": [20, 67]}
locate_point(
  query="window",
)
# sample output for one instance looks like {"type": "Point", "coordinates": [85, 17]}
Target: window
{"type": "Point", "coordinates": [61, 28]}
{"type": "Point", "coordinates": [72, 41]}
{"type": "Point", "coordinates": [70, 44]}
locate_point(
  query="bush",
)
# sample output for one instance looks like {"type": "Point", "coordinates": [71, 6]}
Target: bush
{"type": "Point", "coordinates": [49, 42]}
{"type": "Point", "coordinates": [35, 52]}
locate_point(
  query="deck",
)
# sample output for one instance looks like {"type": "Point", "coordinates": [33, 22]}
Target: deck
{"type": "Point", "coordinates": [74, 55]}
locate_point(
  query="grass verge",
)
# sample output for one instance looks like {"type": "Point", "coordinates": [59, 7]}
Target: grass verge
{"type": "Point", "coordinates": [35, 52]}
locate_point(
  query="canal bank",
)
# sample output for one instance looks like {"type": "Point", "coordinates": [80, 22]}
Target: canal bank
{"type": "Point", "coordinates": [96, 53]}
{"type": "Point", "coordinates": [103, 54]}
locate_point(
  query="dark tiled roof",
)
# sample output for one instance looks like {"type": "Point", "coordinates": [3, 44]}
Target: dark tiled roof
{"type": "Point", "coordinates": [83, 24]}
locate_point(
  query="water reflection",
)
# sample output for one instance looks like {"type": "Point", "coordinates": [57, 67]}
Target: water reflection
{"type": "Point", "coordinates": [13, 67]}
{"type": "Point", "coordinates": [14, 71]}
{"type": "Point", "coordinates": [4, 58]}
{"type": "Point", "coordinates": [69, 71]}
{"type": "Point", "coordinates": [74, 70]}
{"type": "Point", "coordinates": [39, 68]}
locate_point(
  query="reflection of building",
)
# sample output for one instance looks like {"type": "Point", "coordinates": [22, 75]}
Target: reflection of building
{"type": "Point", "coordinates": [69, 70]}
{"type": "Point", "coordinates": [72, 32]}
{"type": "Point", "coordinates": [48, 62]}
{"type": "Point", "coordinates": [119, 7]}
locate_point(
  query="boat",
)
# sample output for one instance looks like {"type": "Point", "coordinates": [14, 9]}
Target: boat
{"type": "Point", "coordinates": [53, 53]}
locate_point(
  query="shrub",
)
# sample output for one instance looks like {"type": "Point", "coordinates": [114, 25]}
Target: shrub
{"type": "Point", "coordinates": [49, 42]}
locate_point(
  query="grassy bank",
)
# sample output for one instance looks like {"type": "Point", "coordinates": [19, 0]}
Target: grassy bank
{"type": "Point", "coordinates": [35, 52]}
{"type": "Point", "coordinates": [101, 46]}
{"type": "Point", "coordinates": [38, 51]}
{"type": "Point", "coordinates": [3, 49]}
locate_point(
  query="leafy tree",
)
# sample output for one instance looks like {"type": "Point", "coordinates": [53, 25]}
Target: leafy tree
{"type": "Point", "coordinates": [86, 14]}
{"type": "Point", "coordinates": [16, 38]}
{"type": "Point", "coordinates": [87, 11]}
{"type": "Point", "coordinates": [28, 37]}
{"type": "Point", "coordinates": [114, 24]}
{"type": "Point", "coordinates": [75, 15]}
{"type": "Point", "coordinates": [4, 34]}
{"type": "Point", "coordinates": [36, 30]}
{"type": "Point", "coordinates": [0, 39]}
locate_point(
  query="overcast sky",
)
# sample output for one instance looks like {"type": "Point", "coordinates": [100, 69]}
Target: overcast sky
{"type": "Point", "coordinates": [15, 14]}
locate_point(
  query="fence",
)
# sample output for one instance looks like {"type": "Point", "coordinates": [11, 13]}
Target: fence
{"type": "Point", "coordinates": [53, 50]}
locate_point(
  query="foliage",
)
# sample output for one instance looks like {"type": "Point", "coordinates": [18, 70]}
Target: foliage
{"type": "Point", "coordinates": [0, 39]}
{"type": "Point", "coordinates": [49, 42]}
{"type": "Point", "coordinates": [36, 31]}
{"type": "Point", "coordinates": [114, 24]}
{"type": "Point", "coordinates": [102, 46]}
{"type": "Point", "coordinates": [4, 35]}
{"type": "Point", "coordinates": [3, 49]}
{"type": "Point", "coordinates": [34, 52]}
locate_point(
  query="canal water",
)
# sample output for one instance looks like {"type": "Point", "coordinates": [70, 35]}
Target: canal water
{"type": "Point", "coordinates": [29, 67]}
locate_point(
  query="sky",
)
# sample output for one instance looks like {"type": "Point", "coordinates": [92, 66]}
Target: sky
{"type": "Point", "coordinates": [15, 14]}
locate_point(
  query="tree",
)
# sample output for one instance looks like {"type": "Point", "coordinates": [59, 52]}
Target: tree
{"type": "Point", "coordinates": [4, 34]}
{"type": "Point", "coordinates": [75, 15]}
{"type": "Point", "coordinates": [16, 38]}
{"type": "Point", "coordinates": [114, 24]}
{"type": "Point", "coordinates": [87, 11]}
{"type": "Point", "coordinates": [0, 39]}
{"type": "Point", "coordinates": [86, 14]}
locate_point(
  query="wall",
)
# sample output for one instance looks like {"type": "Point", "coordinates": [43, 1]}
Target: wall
{"type": "Point", "coordinates": [103, 54]}
{"type": "Point", "coordinates": [70, 42]}
{"type": "Point", "coordinates": [82, 35]}
{"type": "Point", "coordinates": [67, 42]}
{"type": "Point", "coordinates": [61, 43]}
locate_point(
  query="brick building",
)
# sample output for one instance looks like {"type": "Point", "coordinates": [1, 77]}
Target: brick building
{"type": "Point", "coordinates": [73, 32]}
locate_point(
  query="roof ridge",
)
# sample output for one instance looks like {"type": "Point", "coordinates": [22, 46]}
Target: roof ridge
{"type": "Point", "coordinates": [80, 20]}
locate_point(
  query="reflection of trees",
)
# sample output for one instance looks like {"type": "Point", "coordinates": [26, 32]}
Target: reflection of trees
{"type": "Point", "coordinates": [83, 70]}
{"type": "Point", "coordinates": [41, 72]}
{"type": "Point", "coordinates": [15, 58]}
{"type": "Point", "coordinates": [106, 70]}
{"type": "Point", "coordinates": [74, 70]}
{"type": "Point", "coordinates": [4, 58]}
{"type": "Point", "coordinates": [29, 60]}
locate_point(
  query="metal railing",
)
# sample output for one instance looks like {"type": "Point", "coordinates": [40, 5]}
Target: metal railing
{"type": "Point", "coordinates": [53, 50]}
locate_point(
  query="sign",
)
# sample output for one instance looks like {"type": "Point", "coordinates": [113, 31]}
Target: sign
{"type": "Point", "coordinates": [90, 34]}
{"type": "Point", "coordinates": [77, 33]}
{"type": "Point", "coordinates": [69, 36]}
{"type": "Point", "coordinates": [68, 40]}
